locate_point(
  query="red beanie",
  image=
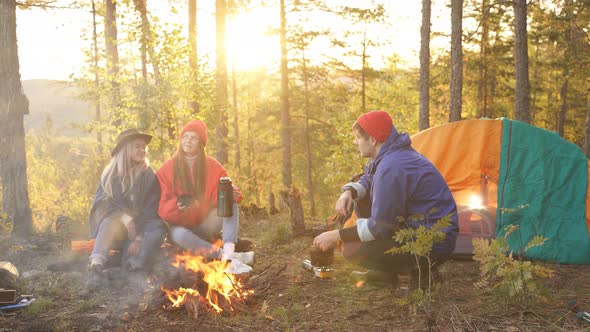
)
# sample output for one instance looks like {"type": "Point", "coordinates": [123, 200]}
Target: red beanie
{"type": "Point", "coordinates": [377, 124]}
{"type": "Point", "coordinates": [198, 127]}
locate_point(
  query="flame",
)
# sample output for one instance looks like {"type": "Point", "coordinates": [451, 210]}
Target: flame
{"type": "Point", "coordinates": [359, 284]}
{"type": "Point", "coordinates": [219, 283]}
{"type": "Point", "coordinates": [177, 296]}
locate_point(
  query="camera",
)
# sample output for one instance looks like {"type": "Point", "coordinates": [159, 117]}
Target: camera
{"type": "Point", "coordinates": [185, 200]}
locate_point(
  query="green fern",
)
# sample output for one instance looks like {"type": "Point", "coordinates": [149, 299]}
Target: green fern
{"type": "Point", "coordinates": [510, 280]}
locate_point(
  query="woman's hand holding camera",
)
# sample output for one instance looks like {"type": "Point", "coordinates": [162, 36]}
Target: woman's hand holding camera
{"type": "Point", "coordinates": [186, 201]}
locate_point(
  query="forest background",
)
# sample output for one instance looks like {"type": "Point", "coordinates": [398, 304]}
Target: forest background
{"type": "Point", "coordinates": [286, 119]}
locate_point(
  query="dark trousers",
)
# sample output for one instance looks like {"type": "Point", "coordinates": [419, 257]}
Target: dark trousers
{"type": "Point", "coordinates": [371, 255]}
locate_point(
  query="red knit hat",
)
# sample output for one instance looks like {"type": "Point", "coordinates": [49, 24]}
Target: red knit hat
{"type": "Point", "coordinates": [377, 124]}
{"type": "Point", "coordinates": [198, 127]}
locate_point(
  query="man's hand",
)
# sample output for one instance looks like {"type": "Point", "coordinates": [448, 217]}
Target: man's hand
{"type": "Point", "coordinates": [134, 248]}
{"type": "Point", "coordinates": [326, 240]}
{"type": "Point", "coordinates": [344, 203]}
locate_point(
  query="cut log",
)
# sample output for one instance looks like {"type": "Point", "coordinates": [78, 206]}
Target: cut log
{"type": "Point", "coordinates": [292, 198]}
{"type": "Point", "coordinates": [8, 275]}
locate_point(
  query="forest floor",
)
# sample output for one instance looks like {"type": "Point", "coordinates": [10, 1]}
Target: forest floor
{"type": "Point", "coordinates": [287, 297]}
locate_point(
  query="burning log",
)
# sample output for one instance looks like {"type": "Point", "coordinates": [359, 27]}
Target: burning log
{"type": "Point", "coordinates": [191, 305]}
{"type": "Point", "coordinates": [198, 282]}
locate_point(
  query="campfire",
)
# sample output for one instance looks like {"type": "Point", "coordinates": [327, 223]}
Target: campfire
{"type": "Point", "coordinates": [210, 287]}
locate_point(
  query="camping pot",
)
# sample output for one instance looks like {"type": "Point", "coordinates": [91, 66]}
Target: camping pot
{"type": "Point", "coordinates": [225, 199]}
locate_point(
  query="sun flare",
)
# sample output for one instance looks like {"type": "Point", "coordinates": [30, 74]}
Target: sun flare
{"type": "Point", "coordinates": [251, 41]}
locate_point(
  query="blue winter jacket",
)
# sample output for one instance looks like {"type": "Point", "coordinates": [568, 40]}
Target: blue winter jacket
{"type": "Point", "coordinates": [402, 183]}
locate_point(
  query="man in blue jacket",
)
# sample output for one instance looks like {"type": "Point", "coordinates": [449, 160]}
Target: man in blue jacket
{"type": "Point", "coordinates": [399, 183]}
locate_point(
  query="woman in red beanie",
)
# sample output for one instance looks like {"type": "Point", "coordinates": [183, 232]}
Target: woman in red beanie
{"type": "Point", "coordinates": [188, 201]}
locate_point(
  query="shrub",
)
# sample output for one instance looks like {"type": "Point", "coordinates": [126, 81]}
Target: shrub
{"type": "Point", "coordinates": [511, 280]}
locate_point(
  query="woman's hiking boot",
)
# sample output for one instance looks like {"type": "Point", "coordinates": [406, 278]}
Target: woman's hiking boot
{"type": "Point", "coordinates": [96, 278]}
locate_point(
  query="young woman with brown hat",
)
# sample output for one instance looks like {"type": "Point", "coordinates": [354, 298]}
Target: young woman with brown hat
{"type": "Point", "coordinates": [189, 182]}
{"type": "Point", "coordinates": [124, 213]}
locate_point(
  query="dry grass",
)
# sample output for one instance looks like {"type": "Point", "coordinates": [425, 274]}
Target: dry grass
{"type": "Point", "coordinates": [293, 300]}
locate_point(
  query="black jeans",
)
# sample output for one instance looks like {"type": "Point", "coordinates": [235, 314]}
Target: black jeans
{"type": "Point", "coordinates": [371, 255]}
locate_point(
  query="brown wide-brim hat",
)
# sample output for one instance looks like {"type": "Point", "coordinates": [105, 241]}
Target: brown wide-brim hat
{"type": "Point", "coordinates": [129, 135]}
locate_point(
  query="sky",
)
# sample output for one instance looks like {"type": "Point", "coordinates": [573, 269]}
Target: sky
{"type": "Point", "coordinates": [51, 42]}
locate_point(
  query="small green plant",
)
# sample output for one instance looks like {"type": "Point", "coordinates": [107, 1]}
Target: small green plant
{"type": "Point", "coordinates": [509, 279]}
{"type": "Point", "coordinates": [40, 305]}
{"type": "Point", "coordinates": [5, 224]}
{"type": "Point", "coordinates": [278, 233]}
{"type": "Point", "coordinates": [418, 242]}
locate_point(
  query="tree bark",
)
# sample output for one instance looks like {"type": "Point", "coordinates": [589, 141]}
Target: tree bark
{"type": "Point", "coordinates": [562, 109]}
{"type": "Point", "coordinates": [221, 81]}
{"type": "Point", "coordinates": [456, 60]}
{"type": "Point", "coordinates": [13, 106]}
{"type": "Point", "coordinates": [193, 59]}
{"type": "Point", "coordinates": [292, 198]}
{"type": "Point", "coordinates": [364, 73]}
{"type": "Point", "coordinates": [112, 57]}
{"type": "Point", "coordinates": [482, 88]}
{"type": "Point", "coordinates": [236, 126]}
{"type": "Point", "coordinates": [424, 117]}
{"type": "Point", "coordinates": [587, 127]}
{"type": "Point", "coordinates": [285, 118]}
{"type": "Point", "coordinates": [147, 37]}
{"type": "Point", "coordinates": [97, 110]}
{"type": "Point", "coordinates": [308, 154]}
{"type": "Point", "coordinates": [521, 63]}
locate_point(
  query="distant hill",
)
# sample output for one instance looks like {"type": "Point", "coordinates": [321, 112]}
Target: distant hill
{"type": "Point", "coordinates": [58, 100]}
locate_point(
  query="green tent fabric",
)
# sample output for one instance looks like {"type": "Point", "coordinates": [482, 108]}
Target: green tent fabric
{"type": "Point", "coordinates": [542, 188]}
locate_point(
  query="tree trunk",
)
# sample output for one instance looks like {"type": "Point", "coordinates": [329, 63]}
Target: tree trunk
{"type": "Point", "coordinates": [482, 88]}
{"type": "Point", "coordinates": [234, 86]}
{"type": "Point", "coordinates": [456, 60]}
{"type": "Point", "coordinates": [292, 198]}
{"type": "Point", "coordinates": [140, 7]}
{"type": "Point", "coordinates": [112, 57]}
{"type": "Point", "coordinates": [424, 117]}
{"type": "Point", "coordinates": [192, 58]}
{"type": "Point", "coordinates": [587, 127]}
{"type": "Point", "coordinates": [285, 118]}
{"type": "Point", "coordinates": [272, 208]}
{"type": "Point", "coordinates": [562, 108]}
{"type": "Point", "coordinates": [521, 63]}
{"type": "Point", "coordinates": [147, 47]}
{"type": "Point", "coordinates": [97, 111]}
{"type": "Point", "coordinates": [221, 81]}
{"type": "Point", "coordinates": [308, 155]}
{"type": "Point", "coordinates": [364, 73]}
{"type": "Point", "coordinates": [13, 106]}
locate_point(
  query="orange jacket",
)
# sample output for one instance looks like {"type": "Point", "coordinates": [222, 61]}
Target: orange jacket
{"type": "Point", "coordinates": [197, 212]}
